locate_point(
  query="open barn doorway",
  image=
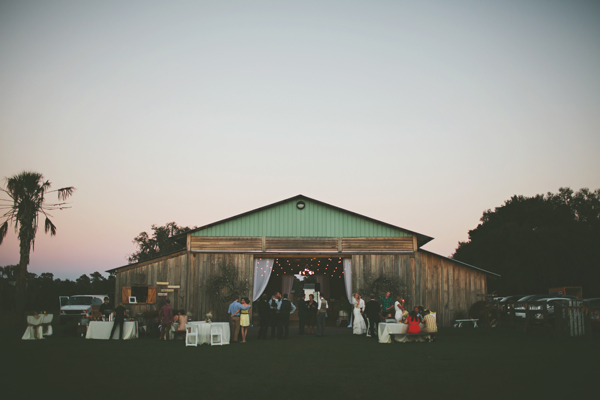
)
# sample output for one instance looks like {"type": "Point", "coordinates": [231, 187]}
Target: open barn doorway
{"type": "Point", "coordinates": [294, 275]}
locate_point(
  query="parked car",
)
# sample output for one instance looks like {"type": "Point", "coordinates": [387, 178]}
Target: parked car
{"type": "Point", "coordinates": [594, 306]}
{"type": "Point", "coordinates": [551, 301]}
{"type": "Point", "coordinates": [79, 306]}
{"type": "Point", "coordinates": [503, 302]}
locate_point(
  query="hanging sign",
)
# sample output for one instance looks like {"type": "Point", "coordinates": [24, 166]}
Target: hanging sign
{"type": "Point", "coordinates": [173, 286]}
{"type": "Point", "coordinates": [162, 283]}
{"type": "Point", "coordinates": [166, 290]}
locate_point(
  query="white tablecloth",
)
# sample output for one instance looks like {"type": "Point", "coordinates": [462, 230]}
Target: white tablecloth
{"type": "Point", "coordinates": [101, 330]}
{"type": "Point", "coordinates": [34, 328]}
{"type": "Point", "coordinates": [398, 330]}
{"type": "Point", "coordinates": [47, 324]}
{"type": "Point", "coordinates": [204, 331]}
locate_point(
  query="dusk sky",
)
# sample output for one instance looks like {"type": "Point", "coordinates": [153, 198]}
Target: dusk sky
{"type": "Point", "coordinates": [422, 114]}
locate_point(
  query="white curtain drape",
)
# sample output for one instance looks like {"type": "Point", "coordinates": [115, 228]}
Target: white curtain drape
{"type": "Point", "coordinates": [287, 283]}
{"type": "Point", "coordinates": [348, 278]}
{"type": "Point", "coordinates": [262, 273]}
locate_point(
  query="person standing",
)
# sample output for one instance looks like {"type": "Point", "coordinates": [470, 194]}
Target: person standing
{"type": "Point", "coordinates": [275, 307]}
{"type": "Point", "coordinates": [359, 327]}
{"type": "Point", "coordinates": [311, 314]}
{"type": "Point", "coordinates": [287, 308]}
{"type": "Point", "coordinates": [234, 314]}
{"type": "Point", "coordinates": [120, 314]}
{"type": "Point", "coordinates": [166, 316]}
{"type": "Point", "coordinates": [372, 310]}
{"type": "Point", "coordinates": [245, 317]}
{"type": "Point", "coordinates": [302, 310]}
{"type": "Point", "coordinates": [399, 308]}
{"type": "Point", "coordinates": [263, 315]}
{"type": "Point", "coordinates": [105, 309]}
{"type": "Point", "coordinates": [387, 306]}
{"type": "Point", "coordinates": [321, 316]}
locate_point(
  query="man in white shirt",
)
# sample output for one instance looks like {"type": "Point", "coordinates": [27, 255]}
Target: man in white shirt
{"type": "Point", "coordinates": [321, 316]}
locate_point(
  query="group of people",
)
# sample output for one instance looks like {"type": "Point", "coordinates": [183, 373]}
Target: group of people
{"type": "Point", "coordinates": [312, 314]}
{"type": "Point", "coordinates": [119, 314]}
{"type": "Point", "coordinates": [167, 319]}
{"type": "Point", "coordinates": [387, 308]}
{"type": "Point", "coordinates": [239, 313]}
{"type": "Point", "coordinates": [274, 313]}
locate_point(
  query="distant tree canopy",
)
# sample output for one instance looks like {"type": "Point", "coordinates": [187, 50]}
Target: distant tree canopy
{"type": "Point", "coordinates": [539, 242]}
{"type": "Point", "coordinates": [43, 290]}
{"type": "Point", "coordinates": [159, 243]}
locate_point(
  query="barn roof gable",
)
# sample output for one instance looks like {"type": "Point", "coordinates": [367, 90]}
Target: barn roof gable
{"type": "Point", "coordinates": [316, 219]}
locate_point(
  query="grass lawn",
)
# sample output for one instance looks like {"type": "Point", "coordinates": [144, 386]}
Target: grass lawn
{"type": "Point", "coordinates": [462, 363]}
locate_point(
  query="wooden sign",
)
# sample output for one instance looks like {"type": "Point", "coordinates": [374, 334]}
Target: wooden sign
{"type": "Point", "coordinates": [162, 283]}
{"type": "Point", "coordinates": [166, 290]}
{"type": "Point", "coordinates": [173, 286]}
{"type": "Point", "coordinates": [161, 294]}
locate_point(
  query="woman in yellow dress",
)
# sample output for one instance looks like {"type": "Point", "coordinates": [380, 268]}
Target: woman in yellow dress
{"type": "Point", "coordinates": [245, 317]}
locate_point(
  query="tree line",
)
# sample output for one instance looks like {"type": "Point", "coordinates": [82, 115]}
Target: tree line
{"type": "Point", "coordinates": [538, 243]}
{"type": "Point", "coordinates": [43, 290]}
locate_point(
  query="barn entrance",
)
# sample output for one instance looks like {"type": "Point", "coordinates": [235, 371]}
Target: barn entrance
{"type": "Point", "coordinates": [295, 274]}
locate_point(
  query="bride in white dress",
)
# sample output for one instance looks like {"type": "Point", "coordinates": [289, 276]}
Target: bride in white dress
{"type": "Point", "coordinates": [359, 327]}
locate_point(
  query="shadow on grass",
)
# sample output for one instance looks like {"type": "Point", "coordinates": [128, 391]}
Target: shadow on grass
{"type": "Point", "coordinates": [465, 363]}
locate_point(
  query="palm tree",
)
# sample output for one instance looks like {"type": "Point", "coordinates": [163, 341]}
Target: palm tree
{"type": "Point", "coordinates": [26, 205]}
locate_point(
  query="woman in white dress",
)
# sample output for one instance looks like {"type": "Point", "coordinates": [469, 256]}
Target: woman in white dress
{"type": "Point", "coordinates": [359, 327]}
{"type": "Point", "coordinates": [399, 307]}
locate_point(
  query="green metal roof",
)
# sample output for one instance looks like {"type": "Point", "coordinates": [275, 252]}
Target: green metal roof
{"type": "Point", "coordinates": [316, 219]}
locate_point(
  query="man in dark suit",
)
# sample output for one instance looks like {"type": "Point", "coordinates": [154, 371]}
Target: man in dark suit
{"type": "Point", "coordinates": [263, 315]}
{"type": "Point", "coordinates": [287, 308]}
{"type": "Point", "coordinates": [302, 309]}
{"type": "Point", "coordinates": [120, 314]}
{"type": "Point", "coordinates": [372, 310]}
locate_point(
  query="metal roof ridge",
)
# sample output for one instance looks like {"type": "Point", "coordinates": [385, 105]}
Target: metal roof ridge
{"type": "Point", "coordinates": [422, 239]}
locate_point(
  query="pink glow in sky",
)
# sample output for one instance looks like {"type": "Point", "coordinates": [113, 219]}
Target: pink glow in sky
{"type": "Point", "coordinates": [420, 114]}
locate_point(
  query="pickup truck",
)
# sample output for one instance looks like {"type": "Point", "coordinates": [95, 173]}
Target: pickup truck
{"type": "Point", "coordinates": [79, 306]}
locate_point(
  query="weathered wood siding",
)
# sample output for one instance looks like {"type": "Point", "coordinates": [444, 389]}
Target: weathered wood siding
{"type": "Point", "coordinates": [169, 268]}
{"type": "Point", "coordinates": [190, 272]}
{"type": "Point", "coordinates": [440, 284]}
{"type": "Point", "coordinates": [301, 244]}
{"type": "Point", "coordinates": [205, 265]}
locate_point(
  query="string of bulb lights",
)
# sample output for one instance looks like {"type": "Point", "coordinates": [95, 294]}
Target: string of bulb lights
{"type": "Point", "coordinates": [322, 266]}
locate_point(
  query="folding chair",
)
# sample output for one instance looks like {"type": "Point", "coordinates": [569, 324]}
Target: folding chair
{"type": "Point", "coordinates": [191, 332]}
{"type": "Point", "coordinates": [216, 332]}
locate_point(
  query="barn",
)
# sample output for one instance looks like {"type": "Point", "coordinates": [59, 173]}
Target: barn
{"type": "Point", "coordinates": [273, 247]}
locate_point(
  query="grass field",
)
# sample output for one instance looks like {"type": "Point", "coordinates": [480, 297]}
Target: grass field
{"type": "Point", "coordinates": [462, 363]}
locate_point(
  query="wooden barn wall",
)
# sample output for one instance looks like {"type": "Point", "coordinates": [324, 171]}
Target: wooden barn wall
{"type": "Point", "coordinates": [205, 265]}
{"type": "Point", "coordinates": [328, 244]}
{"type": "Point", "coordinates": [165, 269]}
{"type": "Point", "coordinates": [190, 273]}
{"type": "Point", "coordinates": [441, 285]}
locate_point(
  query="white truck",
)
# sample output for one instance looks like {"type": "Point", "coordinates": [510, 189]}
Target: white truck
{"type": "Point", "coordinates": [79, 306]}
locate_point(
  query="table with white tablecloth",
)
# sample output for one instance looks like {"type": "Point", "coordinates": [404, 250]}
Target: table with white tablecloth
{"type": "Point", "coordinates": [204, 331]}
{"type": "Point", "coordinates": [397, 329]}
{"type": "Point", "coordinates": [35, 327]}
{"type": "Point", "coordinates": [101, 330]}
